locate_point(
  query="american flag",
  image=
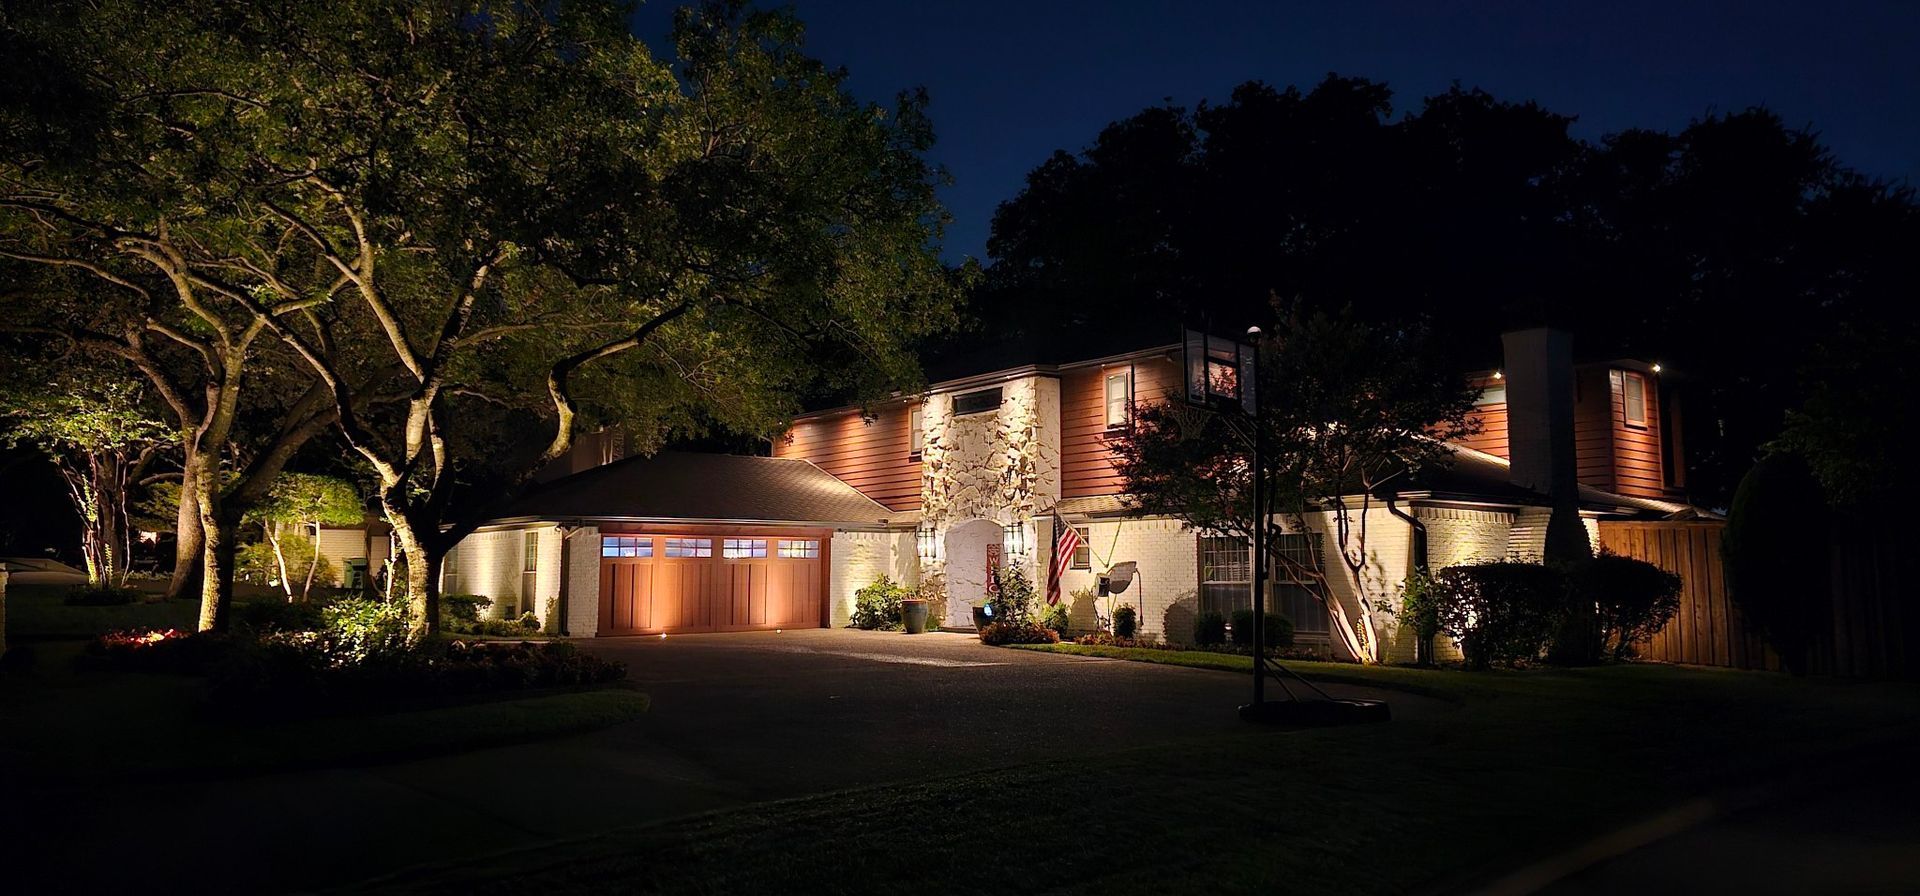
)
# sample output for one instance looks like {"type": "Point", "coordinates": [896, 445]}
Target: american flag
{"type": "Point", "coordinates": [1066, 541]}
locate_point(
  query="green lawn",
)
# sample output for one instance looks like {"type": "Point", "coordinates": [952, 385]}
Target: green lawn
{"type": "Point", "coordinates": [1526, 763]}
{"type": "Point", "coordinates": [34, 612]}
{"type": "Point", "coordinates": [99, 724]}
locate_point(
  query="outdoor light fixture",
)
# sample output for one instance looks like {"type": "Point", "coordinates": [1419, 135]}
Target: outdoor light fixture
{"type": "Point", "coordinates": [1656, 367]}
{"type": "Point", "coordinates": [1498, 375]}
{"type": "Point", "coordinates": [927, 540]}
{"type": "Point", "coordinates": [1015, 538]}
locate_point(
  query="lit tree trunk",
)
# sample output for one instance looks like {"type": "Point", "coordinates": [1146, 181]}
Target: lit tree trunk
{"type": "Point", "coordinates": [313, 564]}
{"type": "Point", "coordinates": [279, 558]}
{"type": "Point", "coordinates": [188, 543]}
{"type": "Point", "coordinates": [218, 542]}
{"type": "Point", "coordinates": [423, 580]}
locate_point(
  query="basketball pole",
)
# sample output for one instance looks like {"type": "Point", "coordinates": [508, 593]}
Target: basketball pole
{"type": "Point", "coordinates": [1259, 530]}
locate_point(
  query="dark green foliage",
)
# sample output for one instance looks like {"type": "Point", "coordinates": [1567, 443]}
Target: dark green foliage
{"type": "Point", "coordinates": [1210, 629]}
{"type": "Point", "coordinates": [462, 609]}
{"type": "Point", "coordinates": [1502, 612]}
{"type": "Point", "coordinates": [999, 633]}
{"type": "Point", "coordinates": [1633, 598]}
{"type": "Point", "coordinates": [101, 597]}
{"type": "Point", "coordinates": [877, 606]}
{"type": "Point", "coordinates": [1278, 631]}
{"type": "Point", "coordinates": [1777, 555]}
{"type": "Point", "coordinates": [271, 614]}
{"type": "Point", "coordinates": [1057, 619]}
{"type": "Point", "coordinates": [281, 674]}
{"type": "Point", "coordinates": [1126, 621]}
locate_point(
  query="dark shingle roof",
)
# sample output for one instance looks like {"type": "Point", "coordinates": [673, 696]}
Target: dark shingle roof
{"type": "Point", "coordinates": [675, 485]}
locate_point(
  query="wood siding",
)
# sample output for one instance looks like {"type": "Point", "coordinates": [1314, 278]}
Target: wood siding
{"type": "Point", "coordinates": [1592, 428]}
{"type": "Point", "coordinates": [1492, 437]}
{"type": "Point", "coordinates": [870, 455]}
{"type": "Point", "coordinates": [1637, 467]}
{"type": "Point", "coordinates": [1086, 457]}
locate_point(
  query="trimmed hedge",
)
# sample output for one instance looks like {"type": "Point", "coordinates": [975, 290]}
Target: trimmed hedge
{"type": "Point", "coordinates": [1278, 630]}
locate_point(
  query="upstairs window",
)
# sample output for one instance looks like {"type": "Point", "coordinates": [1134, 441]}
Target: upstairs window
{"type": "Point", "coordinates": [976, 402]}
{"type": "Point", "coordinates": [916, 431]}
{"type": "Point", "coordinates": [1119, 398]}
{"type": "Point", "coordinates": [1634, 398]}
{"type": "Point", "coordinates": [1494, 394]}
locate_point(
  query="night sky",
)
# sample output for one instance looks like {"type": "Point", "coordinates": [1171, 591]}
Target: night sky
{"type": "Point", "coordinates": [1013, 81]}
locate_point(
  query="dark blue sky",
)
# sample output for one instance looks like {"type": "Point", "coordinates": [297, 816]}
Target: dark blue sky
{"type": "Point", "coordinates": [1013, 81]}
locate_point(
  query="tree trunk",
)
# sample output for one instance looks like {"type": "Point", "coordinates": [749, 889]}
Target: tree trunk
{"type": "Point", "coordinates": [189, 545]}
{"type": "Point", "coordinates": [218, 534]}
{"type": "Point", "coordinates": [313, 565]}
{"type": "Point", "coordinates": [423, 578]}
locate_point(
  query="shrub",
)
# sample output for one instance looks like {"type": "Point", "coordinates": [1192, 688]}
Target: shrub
{"type": "Point", "coordinates": [296, 672]}
{"type": "Point", "coordinates": [877, 606]}
{"type": "Point", "coordinates": [1499, 612]}
{"type": "Point", "coordinates": [1210, 629]}
{"type": "Point", "coordinates": [1102, 639]}
{"type": "Point", "coordinates": [1056, 619]}
{"type": "Point", "coordinates": [1126, 622]}
{"type": "Point", "coordinates": [461, 610]}
{"type": "Point", "coordinates": [105, 596]}
{"type": "Point", "coordinates": [998, 633]}
{"type": "Point", "coordinates": [359, 629]}
{"type": "Point", "coordinates": [269, 614]}
{"type": "Point", "coordinates": [1634, 598]}
{"type": "Point", "coordinates": [155, 650]}
{"type": "Point", "coordinates": [1278, 631]}
{"type": "Point", "coordinates": [1014, 603]}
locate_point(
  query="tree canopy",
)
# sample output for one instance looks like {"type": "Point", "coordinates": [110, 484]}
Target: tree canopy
{"type": "Point", "coordinates": [1732, 251]}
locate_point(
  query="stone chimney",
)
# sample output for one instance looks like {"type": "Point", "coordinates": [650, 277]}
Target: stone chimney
{"type": "Point", "coordinates": [1539, 380]}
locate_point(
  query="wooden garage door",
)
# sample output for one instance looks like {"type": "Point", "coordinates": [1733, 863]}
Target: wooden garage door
{"type": "Point", "coordinates": [706, 582]}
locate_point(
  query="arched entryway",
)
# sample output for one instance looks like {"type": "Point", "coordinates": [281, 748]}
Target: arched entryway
{"type": "Point", "coordinates": [967, 545]}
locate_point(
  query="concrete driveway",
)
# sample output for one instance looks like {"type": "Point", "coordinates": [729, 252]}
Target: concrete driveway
{"type": "Point", "coordinates": [736, 718]}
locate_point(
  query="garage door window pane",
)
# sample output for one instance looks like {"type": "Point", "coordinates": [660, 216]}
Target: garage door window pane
{"type": "Point", "coordinates": [625, 546]}
{"type": "Point", "coordinates": [743, 548]}
{"type": "Point", "coordinates": [689, 547]}
{"type": "Point", "coordinates": [800, 549]}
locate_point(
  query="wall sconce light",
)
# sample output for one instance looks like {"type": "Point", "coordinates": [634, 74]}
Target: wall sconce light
{"type": "Point", "coordinates": [927, 540]}
{"type": "Point", "coordinates": [1498, 375]}
{"type": "Point", "coordinates": [1014, 539]}
{"type": "Point", "coordinates": [1656, 367]}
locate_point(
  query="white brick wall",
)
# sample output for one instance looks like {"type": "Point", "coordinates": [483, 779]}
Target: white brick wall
{"type": "Point", "coordinates": [1456, 536]}
{"type": "Point", "coordinates": [1167, 583]}
{"type": "Point", "coordinates": [858, 559]}
{"type": "Point", "coordinates": [1384, 563]}
{"type": "Point", "coordinates": [583, 587]}
{"type": "Point", "coordinates": [491, 564]}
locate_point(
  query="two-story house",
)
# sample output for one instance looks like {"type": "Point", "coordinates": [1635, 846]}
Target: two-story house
{"type": "Point", "coordinates": [967, 476]}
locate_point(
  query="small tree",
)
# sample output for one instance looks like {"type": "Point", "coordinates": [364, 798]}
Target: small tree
{"type": "Point", "coordinates": [101, 438]}
{"type": "Point", "coordinates": [297, 506]}
{"type": "Point", "coordinates": [1349, 409]}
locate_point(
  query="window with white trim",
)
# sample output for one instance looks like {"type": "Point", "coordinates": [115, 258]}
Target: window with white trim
{"type": "Point", "coordinates": [450, 571]}
{"type": "Point", "coordinates": [1226, 574]}
{"type": "Point", "coordinates": [1119, 387]}
{"type": "Point", "coordinates": [689, 547]}
{"type": "Point", "coordinates": [1083, 555]}
{"type": "Point", "coordinates": [1633, 398]}
{"type": "Point", "coordinates": [800, 548]}
{"type": "Point", "coordinates": [529, 551]}
{"type": "Point", "coordinates": [743, 548]}
{"type": "Point", "coordinates": [979, 402]}
{"type": "Point", "coordinates": [916, 431]}
{"type": "Point", "coordinates": [626, 546]}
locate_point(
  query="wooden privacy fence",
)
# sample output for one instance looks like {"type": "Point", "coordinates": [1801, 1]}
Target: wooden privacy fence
{"type": "Point", "coordinates": [1708, 630]}
{"type": "Point", "coordinates": [1869, 615]}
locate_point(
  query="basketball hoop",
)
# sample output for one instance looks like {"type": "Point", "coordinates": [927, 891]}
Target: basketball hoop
{"type": "Point", "coordinates": [1191, 419]}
